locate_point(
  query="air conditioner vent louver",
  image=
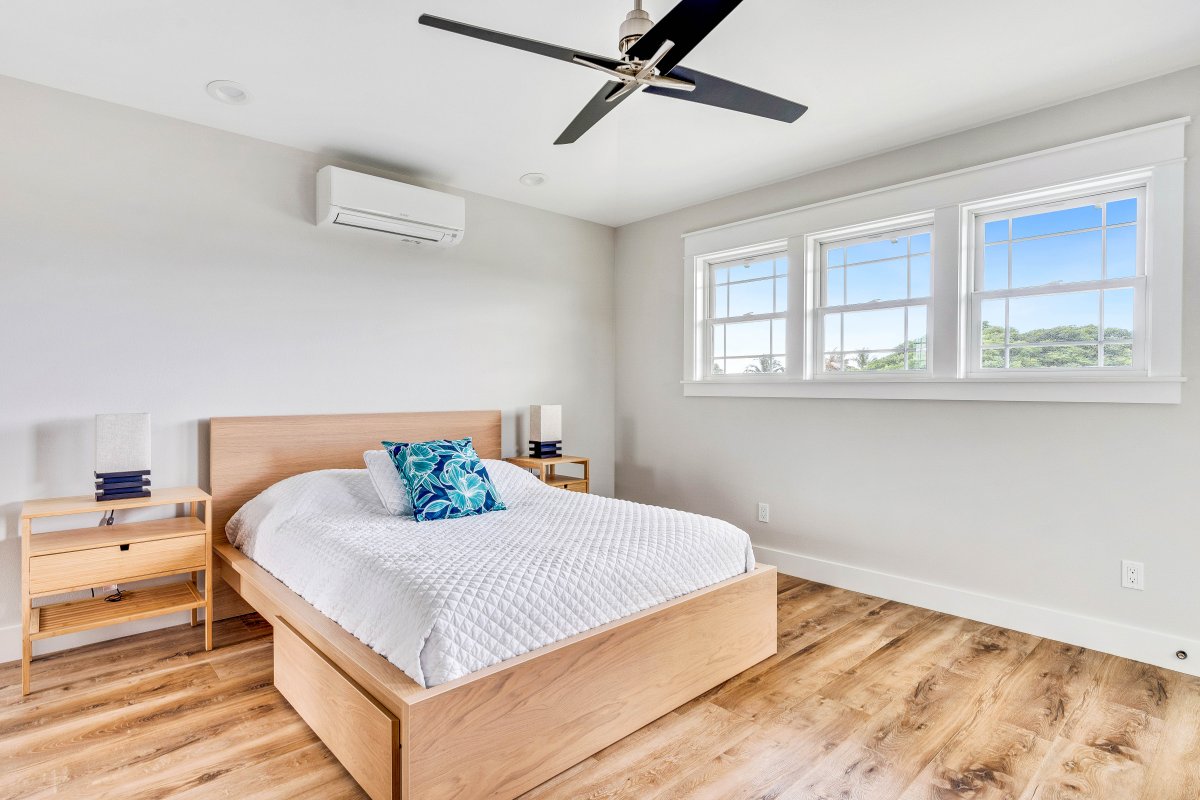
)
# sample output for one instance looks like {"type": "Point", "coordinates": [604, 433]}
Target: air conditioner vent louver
{"type": "Point", "coordinates": [410, 232]}
{"type": "Point", "coordinates": [414, 214]}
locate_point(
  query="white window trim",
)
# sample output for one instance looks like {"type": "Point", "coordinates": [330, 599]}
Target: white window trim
{"type": "Point", "coordinates": [1154, 153]}
{"type": "Point", "coordinates": [699, 354]}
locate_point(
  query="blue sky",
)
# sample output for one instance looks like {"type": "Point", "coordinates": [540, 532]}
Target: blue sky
{"type": "Point", "coordinates": [1074, 255]}
{"type": "Point", "coordinates": [877, 270]}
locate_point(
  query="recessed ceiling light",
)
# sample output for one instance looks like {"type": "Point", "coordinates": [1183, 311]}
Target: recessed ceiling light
{"type": "Point", "coordinates": [229, 92]}
{"type": "Point", "coordinates": [533, 178]}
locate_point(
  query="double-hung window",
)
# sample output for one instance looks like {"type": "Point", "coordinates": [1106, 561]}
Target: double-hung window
{"type": "Point", "coordinates": [1055, 276]}
{"type": "Point", "coordinates": [746, 320]}
{"type": "Point", "coordinates": [873, 314]}
{"type": "Point", "coordinates": [1060, 286]}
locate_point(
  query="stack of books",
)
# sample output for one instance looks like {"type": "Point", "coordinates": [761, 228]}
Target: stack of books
{"type": "Point", "coordinates": [122, 485]}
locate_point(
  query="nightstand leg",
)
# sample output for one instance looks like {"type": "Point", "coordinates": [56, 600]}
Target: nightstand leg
{"type": "Point", "coordinates": [208, 609]}
{"type": "Point", "coordinates": [26, 603]}
{"type": "Point", "coordinates": [195, 611]}
{"type": "Point", "coordinates": [208, 580]}
{"type": "Point", "coordinates": [26, 657]}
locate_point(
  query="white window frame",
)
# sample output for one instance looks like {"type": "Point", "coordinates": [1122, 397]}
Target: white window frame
{"type": "Point", "coordinates": [1152, 156]}
{"type": "Point", "coordinates": [702, 305]}
{"type": "Point", "coordinates": [1102, 191]}
{"type": "Point", "coordinates": [713, 263]}
{"type": "Point", "coordinates": [846, 237]}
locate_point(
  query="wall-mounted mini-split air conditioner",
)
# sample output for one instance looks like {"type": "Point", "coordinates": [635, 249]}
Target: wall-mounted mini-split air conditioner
{"type": "Point", "coordinates": [415, 215]}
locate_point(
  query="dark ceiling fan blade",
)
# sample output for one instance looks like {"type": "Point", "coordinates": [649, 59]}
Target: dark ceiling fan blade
{"type": "Point", "coordinates": [713, 91]}
{"type": "Point", "coordinates": [592, 113]}
{"type": "Point", "coordinates": [518, 42]}
{"type": "Point", "coordinates": [685, 25]}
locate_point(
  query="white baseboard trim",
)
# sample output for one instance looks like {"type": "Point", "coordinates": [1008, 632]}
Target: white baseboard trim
{"type": "Point", "coordinates": [1139, 644]}
{"type": "Point", "coordinates": [10, 636]}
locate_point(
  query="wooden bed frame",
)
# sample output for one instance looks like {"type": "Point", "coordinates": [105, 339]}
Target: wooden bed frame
{"type": "Point", "coordinates": [502, 730]}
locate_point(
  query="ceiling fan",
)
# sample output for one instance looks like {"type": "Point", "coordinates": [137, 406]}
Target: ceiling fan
{"type": "Point", "coordinates": [650, 60]}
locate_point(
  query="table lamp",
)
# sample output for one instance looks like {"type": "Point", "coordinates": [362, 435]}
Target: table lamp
{"type": "Point", "coordinates": [122, 456]}
{"type": "Point", "coordinates": [545, 431]}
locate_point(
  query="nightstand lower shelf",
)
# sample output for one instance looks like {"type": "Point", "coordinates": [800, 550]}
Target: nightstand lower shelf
{"type": "Point", "coordinates": [547, 471]}
{"type": "Point", "coordinates": [572, 482]}
{"type": "Point", "coordinates": [82, 615]}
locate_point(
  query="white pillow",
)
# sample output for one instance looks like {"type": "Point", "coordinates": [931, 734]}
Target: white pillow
{"type": "Point", "coordinates": [392, 491]}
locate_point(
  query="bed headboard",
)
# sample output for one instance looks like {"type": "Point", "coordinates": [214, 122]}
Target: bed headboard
{"type": "Point", "coordinates": [248, 454]}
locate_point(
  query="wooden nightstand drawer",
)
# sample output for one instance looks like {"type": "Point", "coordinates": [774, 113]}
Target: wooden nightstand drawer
{"type": "Point", "coordinates": [82, 569]}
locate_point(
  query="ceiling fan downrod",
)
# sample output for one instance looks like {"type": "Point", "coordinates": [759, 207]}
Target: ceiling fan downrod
{"type": "Point", "coordinates": [633, 73]}
{"type": "Point", "coordinates": [637, 23]}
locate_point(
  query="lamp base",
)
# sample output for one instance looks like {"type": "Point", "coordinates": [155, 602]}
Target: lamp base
{"type": "Point", "coordinates": [123, 485]}
{"type": "Point", "coordinates": [545, 449]}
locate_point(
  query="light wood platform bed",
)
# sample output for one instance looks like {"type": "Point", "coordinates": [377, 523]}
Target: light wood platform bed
{"type": "Point", "coordinates": [502, 730]}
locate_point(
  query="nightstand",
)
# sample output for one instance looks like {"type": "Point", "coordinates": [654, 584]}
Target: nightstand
{"type": "Point", "coordinates": [58, 562]}
{"type": "Point", "coordinates": [547, 471]}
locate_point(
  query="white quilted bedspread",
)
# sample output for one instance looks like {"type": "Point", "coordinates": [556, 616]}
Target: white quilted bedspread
{"type": "Point", "coordinates": [445, 598]}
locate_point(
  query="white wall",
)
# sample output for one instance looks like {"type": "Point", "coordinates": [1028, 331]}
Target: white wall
{"type": "Point", "coordinates": [194, 250]}
{"type": "Point", "coordinates": [1036, 504]}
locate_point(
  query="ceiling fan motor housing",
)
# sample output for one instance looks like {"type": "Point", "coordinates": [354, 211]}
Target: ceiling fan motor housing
{"type": "Point", "coordinates": [637, 23]}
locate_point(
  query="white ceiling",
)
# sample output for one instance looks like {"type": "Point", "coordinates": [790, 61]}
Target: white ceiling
{"type": "Point", "coordinates": [360, 79]}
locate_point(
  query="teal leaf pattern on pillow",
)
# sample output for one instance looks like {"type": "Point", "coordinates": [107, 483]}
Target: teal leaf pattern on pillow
{"type": "Point", "coordinates": [445, 479]}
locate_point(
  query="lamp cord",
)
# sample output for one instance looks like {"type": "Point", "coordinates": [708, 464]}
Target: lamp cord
{"type": "Point", "coordinates": [107, 519]}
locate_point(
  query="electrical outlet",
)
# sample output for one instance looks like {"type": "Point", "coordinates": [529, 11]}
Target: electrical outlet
{"type": "Point", "coordinates": [1133, 575]}
{"type": "Point", "coordinates": [764, 512]}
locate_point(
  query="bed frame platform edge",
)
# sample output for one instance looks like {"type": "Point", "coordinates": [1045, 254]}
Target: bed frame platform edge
{"type": "Point", "coordinates": [499, 731]}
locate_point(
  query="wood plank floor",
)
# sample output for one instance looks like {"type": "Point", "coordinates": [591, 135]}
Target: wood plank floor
{"type": "Point", "coordinates": [866, 700]}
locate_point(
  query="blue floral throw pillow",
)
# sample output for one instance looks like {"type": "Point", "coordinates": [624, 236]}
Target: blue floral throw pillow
{"type": "Point", "coordinates": [446, 479]}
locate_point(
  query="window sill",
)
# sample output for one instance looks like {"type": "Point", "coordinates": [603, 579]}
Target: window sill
{"type": "Point", "coordinates": [1082, 389]}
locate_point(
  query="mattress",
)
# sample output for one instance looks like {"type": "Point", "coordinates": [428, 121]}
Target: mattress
{"type": "Point", "coordinates": [443, 599]}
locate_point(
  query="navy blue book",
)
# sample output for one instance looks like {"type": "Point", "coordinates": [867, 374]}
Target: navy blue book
{"type": "Point", "coordinates": [118, 484]}
{"type": "Point", "coordinates": [111, 490]}
{"type": "Point", "coordinates": [122, 495]}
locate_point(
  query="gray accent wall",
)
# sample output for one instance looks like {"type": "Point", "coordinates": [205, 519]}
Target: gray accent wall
{"type": "Point", "coordinates": [1032, 503]}
{"type": "Point", "coordinates": [149, 264]}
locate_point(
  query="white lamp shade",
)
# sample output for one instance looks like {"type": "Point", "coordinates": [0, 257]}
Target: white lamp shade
{"type": "Point", "coordinates": [545, 423]}
{"type": "Point", "coordinates": [122, 442]}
